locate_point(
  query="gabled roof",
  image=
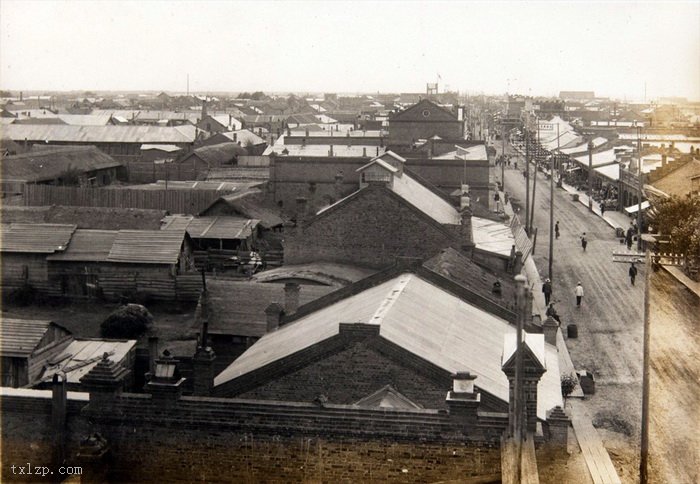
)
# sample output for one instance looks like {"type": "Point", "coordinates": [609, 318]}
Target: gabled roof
{"type": "Point", "coordinates": [250, 204]}
{"type": "Point", "coordinates": [51, 163]}
{"type": "Point", "coordinates": [35, 238]}
{"type": "Point", "coordinates": [147, 246]}
{"type": "Point", "coordinates": [420, 318]}
{"type": "Point", "coordinates": [417, 113]}
{"type": "Point", "coordinates": [223, 227]}
{"type": "Point", "coordinates": [238, 307]}
{"type": "Point", "coordinates": [220, 154]}
{"type": "Point", "coordinates": [387, 397]}
{"type": "Point", "coordinates": [20, 337]}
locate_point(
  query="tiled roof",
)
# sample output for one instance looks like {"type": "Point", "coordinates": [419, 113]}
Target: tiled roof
{"type": "Point", "coordinates": [35, 238]}
{"type": "Point", "coordinates": [420, 318]}
{"type": "Point", "coordinates": [147, 246]}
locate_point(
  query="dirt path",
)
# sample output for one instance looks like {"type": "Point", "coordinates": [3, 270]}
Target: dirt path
{"type": "Point", "coordinates": [675, 393]}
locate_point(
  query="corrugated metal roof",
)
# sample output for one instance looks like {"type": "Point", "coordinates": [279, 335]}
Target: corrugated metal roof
{"type": "Point", "coordinates": [418, 317]}
{"type": "Point", "coordinates": [238, 307]}
{"type": "Point", "coordinates": [610, 171]}
{"type": "Point", "coordinates": [166, 148]}
{"type": "Point", "coordinates": [101, 134]}
{"type": "Point", "coordinates": [87, 245]}
{"type": "Point", "coordinates": [147, 246]}
{"type": "Point", "coordinates": [80, 356]}
{"type": "Point", "coordinates": [21, 336]}
{"type": "Point", "coordinates": [425, 199]}
{"type": "Point", "coordinates": [598, 159]}
{"type": "Point", "coordinates": [35, 238]}
{"type": "Point", "coordinates": [52, 163]}
{"type": "Point", "coordinates": [220, 227]}
{"type": "Point", "coordinates": [85, 119]}
{"type": "Point", "coordinates": [492, 236]}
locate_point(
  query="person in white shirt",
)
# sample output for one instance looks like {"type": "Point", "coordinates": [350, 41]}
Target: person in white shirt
{"type": "Point", "coordinates": [579, 294]}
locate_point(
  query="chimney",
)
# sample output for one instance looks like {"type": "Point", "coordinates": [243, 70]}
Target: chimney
{"type": "Point", "coordinates": [306, 132]}
{"type": "Point", "coordinates": [203, 366]}
{"type": "Point", "coordinates": [466, 223]}
{"type": "Point", "coordinates": [518, 262]}
{"type": "Point", "coordinates": [364, 152]}
{"type": "Point", "coordinates": [291, 297]}
{"type": "Point", "coordinates": [165, 384]}
{"type": "Point", "coordinates": [349, 140]}
{"type": "Point", "coordinates": [273, 314]}
{"type": "Point", "coordinates": [558, 425]}
{"type": "Point", "coordinates": [330, 151]}
{"type": "Point", "coordinates": [377, 150]}
{"type": "Point", "coordinates": [338, 184]}
{"type": "Point", "coordinates": [289, 131]}
{"type": "Point", "coordinates": [463, 401]}
{"type": "Point", "coordinates": [235, 137]}
{"type": "Point", "coordinates": [58, 418]}
{"type": "Point", "coordinates": [550, 327]}
{"type": "Point", "coordinates": [230, 121]}
{"type": "Point", "coordinates": [152, 353]}
{"type": "Point", "coordinates": [664, 160]}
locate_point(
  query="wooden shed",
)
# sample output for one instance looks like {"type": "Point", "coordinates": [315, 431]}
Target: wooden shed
{"type": "Point", "coordinates": [26, 346]}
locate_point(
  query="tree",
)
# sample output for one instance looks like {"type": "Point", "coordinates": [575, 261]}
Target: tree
{"type": "Point", "coordinates": [679, 218]}
{"type": "Point", "coordinates": [128, 321]}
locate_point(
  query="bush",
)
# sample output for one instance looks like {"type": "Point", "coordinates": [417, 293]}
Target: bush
{"type": "Point", "coordinates": [568, 384]}
{"type": "Point", "coordinates": [129, 321]}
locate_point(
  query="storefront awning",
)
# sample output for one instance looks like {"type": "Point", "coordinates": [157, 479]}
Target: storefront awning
{"type": "Point", "coordinates": [569, 170]}
{"type": "Point", "coordinates": [635, 207]}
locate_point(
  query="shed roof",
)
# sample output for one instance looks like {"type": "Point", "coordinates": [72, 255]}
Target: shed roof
{"type": "Point", "coordinates": [147, 246]}
{"type": "Point", "coordinates": [35, 238]}
{"type": "Point", "coordinates": [419, 317]}
{"type": "Point", "coordinates": [81, 356]}
{"type": "Point", "coordinates": [20, 337]}
{"type": "Point", "coordinates": [87, 245]}
{"type": "Point", "coordinates": [52, 163]}
{"type": "Point", "coordinates": [492, 236]}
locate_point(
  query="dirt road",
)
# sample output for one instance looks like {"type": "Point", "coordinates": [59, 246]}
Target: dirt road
{"type": "Point", "coordinates": [610, 329]}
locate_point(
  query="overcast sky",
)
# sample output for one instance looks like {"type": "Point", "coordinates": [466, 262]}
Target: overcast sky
{"type": "Point", "coordinates": [538, 48]}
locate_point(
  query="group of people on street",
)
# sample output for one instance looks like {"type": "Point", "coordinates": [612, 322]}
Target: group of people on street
{"type": "Point", "coordinates": [547, 291]}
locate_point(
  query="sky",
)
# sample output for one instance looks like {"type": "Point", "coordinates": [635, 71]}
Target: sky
{"type": "Point", "coordinates": [617, 49]}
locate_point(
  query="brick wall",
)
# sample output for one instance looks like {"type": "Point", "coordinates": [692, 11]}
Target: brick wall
{"type": "Point", "coordinates": [212, 440]}
{"type": "Point", "coordinates": [405, 132]}
{"type": "Point", "coordinates": [371, 229]}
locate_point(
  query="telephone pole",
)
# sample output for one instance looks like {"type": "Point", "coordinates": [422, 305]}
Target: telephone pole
{"type": "Point", "coordinates": [527, 181]}
{"type": "Point", "coordinates": [639, 189]}
{"type": "Point", "coordinates": [534, 178]}
{"type": "Point", "coordinates": [551, 206]}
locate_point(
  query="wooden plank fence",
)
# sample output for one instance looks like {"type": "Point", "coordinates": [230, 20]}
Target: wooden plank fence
{"type": "Point", "coordinates": [175, 201]}
{"type": "Point", "coordinates": [150, 171]}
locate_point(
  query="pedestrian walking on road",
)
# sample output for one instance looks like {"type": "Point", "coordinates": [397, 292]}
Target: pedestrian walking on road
{"type": "Point", "coordinates": [579, 294]}
{"type": "Point", "coordinates": [547, 291]}
{"type": "Point", "coordinates": [632, 273]}
{"type": "Point", "coordinates": [556, 229]}
{"type": "Point", "coordinates": [628, 238]}
{"type": "Point", "coordinates": [602, 209]}
{"type": "Point", "coordinates": [584, 241]}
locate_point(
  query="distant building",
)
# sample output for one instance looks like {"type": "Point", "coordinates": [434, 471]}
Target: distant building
{"type": "Point", "coordinates": [577, 95]}
{"type": "Point", "coordinates": [423, 121]}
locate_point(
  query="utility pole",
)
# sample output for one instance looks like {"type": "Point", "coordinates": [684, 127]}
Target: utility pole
{"type": "Point", "coordinates": [590, 176]}
{"type": "Point", "coordinates": [639, 189]}
{"type": "Point", "coordinates": [503, 157]}
{"type": "Point", "coordinates": [534, 178]}
{"type": "Point", "coordinates": [527, 181]}
{"type": "Point", "coordinates": [551, 206]}
{"type": "Point", "coordinates": [644, 451]}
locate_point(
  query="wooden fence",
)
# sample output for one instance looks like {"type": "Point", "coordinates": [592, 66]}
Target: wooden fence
{"type": "Point", "coordinates": [175, 201]}
{"type": "Point", "coordinates": [249, 160]}
{"type": "Point", "coordinates": [149, 171]}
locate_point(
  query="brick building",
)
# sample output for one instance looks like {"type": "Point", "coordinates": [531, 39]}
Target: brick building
{"type": "Point", "coordinates": [424, 120]}
{"type": "Point", "coordinates": [392, 214]}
